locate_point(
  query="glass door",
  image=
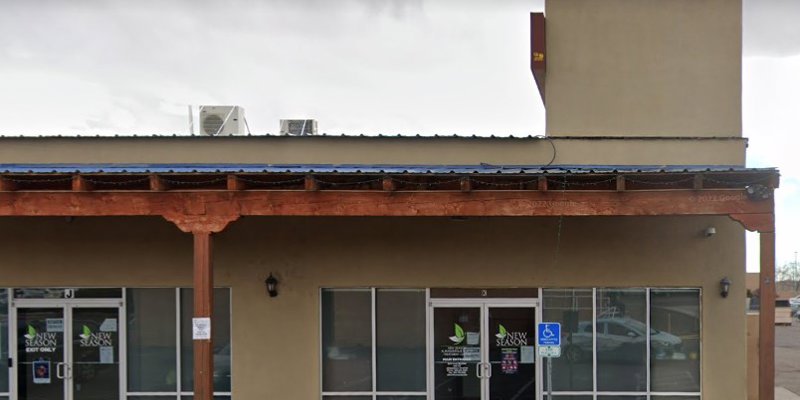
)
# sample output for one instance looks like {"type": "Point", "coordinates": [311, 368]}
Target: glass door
{"type": "Point", "coordinates": [483, 350]}
{"type": "Point", "coordinates": [94, 364]}
{"type": "Point", "coordinates": [458, 353]}
{"type": "Point", "coordinates": [67, 351]}
{"type": "Point", "coordinates": [512, 355]}
{"type": "Point", "coordinates": [41, 354]}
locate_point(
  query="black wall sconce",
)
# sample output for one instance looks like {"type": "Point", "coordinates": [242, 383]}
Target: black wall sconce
{"type": "Point", "coordinates": [272, 285]}
{"type": "Point", "coordinates": [724, 286]}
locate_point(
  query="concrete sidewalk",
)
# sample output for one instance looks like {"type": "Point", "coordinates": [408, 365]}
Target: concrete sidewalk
{"type": "Point", "coordinates": [785, 394]}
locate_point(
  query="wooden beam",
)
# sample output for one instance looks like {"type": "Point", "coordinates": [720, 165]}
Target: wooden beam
{"type": "Point", "coordinates": [542, 184]}
{"type": "Point", "coordinates": [311, 183]}
{"type": "Point", "coordinates": [697, 183]}
{"type": "Point", "coordinates": [766, 318]}
{"type": "Point", "coordinates": [213, 204]}
{"type": "Point", "coordinates": [620, 183]}
{"type": "Point", "coordinates": [203, 308]}
{"type": "Point", "coordinates": [466, 184]}
{"type": "Point", "coordinates": [80, 184]}
{"type": "Point", "coordinates": [157, 184]}
{"type": "Point", "coordinates": [233, 183]}
{"type": "Point", "coordinates": [388, 184]}
{"type": "Point", "coordinates": [7, 185]}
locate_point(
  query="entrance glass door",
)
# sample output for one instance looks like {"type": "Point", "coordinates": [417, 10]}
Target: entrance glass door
{"type": "Point", "coordinates": [41, 354]}
{"type": "Point", "coordinates": [484, 351]}
{"type": "Point", "coordinates": [67, 352]}
{"type": "Point", "coordinates": [512, 356]}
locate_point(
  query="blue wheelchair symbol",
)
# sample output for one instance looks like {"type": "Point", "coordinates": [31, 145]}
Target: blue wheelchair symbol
{"type": "Point", "coordinates": [549, 334]}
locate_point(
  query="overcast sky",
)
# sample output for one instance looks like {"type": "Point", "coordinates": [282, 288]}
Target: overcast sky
{"type": "Point", "coordinates": [358, 66]}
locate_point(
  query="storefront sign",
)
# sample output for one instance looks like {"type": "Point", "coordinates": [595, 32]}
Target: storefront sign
{"type": "Point", "coordinates": [201, 328]}
{"type": "Point", "coordinates": [504, 338]}
{"type": "Point", "coordinates": [40, 342]}
{"type": "Point", "coordinates": [458, 358]}
{"type": "Point", "coordinates": [95, 339]}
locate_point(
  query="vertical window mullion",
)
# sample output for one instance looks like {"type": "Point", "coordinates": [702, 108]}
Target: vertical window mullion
{"type": "Point", "coordinates": [594, 343]}
{"type": "Point", "coordinates": [374, 325]}
{"type": "Point", "coordinates": [647, 342]}
{"type": "Point", "coordinates": [178, 369]}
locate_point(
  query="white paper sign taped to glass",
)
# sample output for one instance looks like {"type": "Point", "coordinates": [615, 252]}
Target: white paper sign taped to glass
{"type": "Point", "coordinates": [201, 328]}
{"type": "Point", "coordinates": [550, 351]}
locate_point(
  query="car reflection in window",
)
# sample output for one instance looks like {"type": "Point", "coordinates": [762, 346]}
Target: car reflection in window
{"type": "Point", "coordinates": [622, 339]}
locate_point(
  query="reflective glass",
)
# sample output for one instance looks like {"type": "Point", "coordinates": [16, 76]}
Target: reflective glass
{"type": "Point", "coordinates": [347, 398]}
{"type": "Point", "coordinates": [674, 397]}
{"type": "Point", "coordinates": [346, 340]}
{"type": "Point", "coordinates": [400, 340]}
{"type": "Point", "coordinates": [573, 309]}
{"type": "Point", "coordinates": [220, 335]}
{"type": "Point", "coordinates": [95, 353]}
{"type": "Point", "coordinates": [402, 397]}
{"type": "Point", "coordinates": [675, 340]}
{"type": "Point", "coordinates": [512, 355]}
{"type": "Point", "coordinates": [152, 397]}
{"type": "Point", "coordinates": [456, 353]}
{"type": "Point", "coordinates": [3, 340]}
{"type": "Point", "coordinates": [621, 340]}
{"type": "Point", "coordinates": [152, 363]}
{"type": "Point", "coordinates": [41, 353]}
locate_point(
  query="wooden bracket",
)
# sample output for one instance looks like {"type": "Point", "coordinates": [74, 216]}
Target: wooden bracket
{"type": "Point", "coordinates": [755, 222]}
{"type": "Point", "coordinates": [201, 223]}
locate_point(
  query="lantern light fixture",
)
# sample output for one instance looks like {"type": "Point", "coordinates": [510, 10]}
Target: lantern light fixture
{"type": "Point", "coordinates": [724, 286]}
{"type": "Point", "coordinates": [272, 285]}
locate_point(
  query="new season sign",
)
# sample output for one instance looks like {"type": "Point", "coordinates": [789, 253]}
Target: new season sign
{"type": "Point", "coordinates": [40, 342]}
{"type": "Point", "coordinates": [504, 338]}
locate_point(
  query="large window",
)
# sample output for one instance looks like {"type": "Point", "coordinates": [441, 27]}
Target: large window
{"type": "Point", "coordinates": [159, 352]}
{"type": "Point", "coordinates": [626, 344]}
{"type": "Point", "coordinates": [373, 344]}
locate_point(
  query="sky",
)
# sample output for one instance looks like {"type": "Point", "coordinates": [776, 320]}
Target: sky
{"type": "Point", "coordinates": [357, 66]}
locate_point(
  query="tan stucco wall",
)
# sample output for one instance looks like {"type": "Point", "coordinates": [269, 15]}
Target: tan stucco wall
{"type": "Point", "coordinates": [366, 150]}
{"type": "Point", "coordinates": [644, 67]}
{"type": "Point", "coordinates": [309, 253]}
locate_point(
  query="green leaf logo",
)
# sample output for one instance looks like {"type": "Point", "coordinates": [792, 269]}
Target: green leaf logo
{"type": "Point", "coordinates": [459, 334]}
{"type": "Point", "coordinates": [502, 332]}
{"type": "Point", "coordinates": [31, 333]}
{"type": "Point", "coordinates": [86, 332]}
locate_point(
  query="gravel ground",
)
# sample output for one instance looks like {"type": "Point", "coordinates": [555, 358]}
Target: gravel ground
{"type": "Point", "coordinates": [787, 357]}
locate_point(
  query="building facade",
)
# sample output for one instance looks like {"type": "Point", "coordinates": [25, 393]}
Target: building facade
{"type": "Point", "coordinates": [408, 267]}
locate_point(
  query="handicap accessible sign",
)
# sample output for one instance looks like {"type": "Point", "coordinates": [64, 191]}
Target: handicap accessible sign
{"type": "Point", "coordinates": [549, 334]}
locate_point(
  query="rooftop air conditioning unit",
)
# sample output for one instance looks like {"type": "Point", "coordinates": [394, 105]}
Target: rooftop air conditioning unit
{"type": "Point", "coordinates": [298, 127]}
{"type": "Point", "coordinates": [222, 121]}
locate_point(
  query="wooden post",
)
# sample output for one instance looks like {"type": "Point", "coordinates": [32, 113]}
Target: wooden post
{"type": "Point", "coordinates": [766, 325]}
{"type": "Point", "coordinates": [203, 306]}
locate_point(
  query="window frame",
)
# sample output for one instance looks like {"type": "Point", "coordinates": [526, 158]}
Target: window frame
{"type": "Point", "coordinates": [373, 394]}
{"type": "Point", "coordinates": [178, 393]}
{"type": "Point", "coordinates": [649, 393]}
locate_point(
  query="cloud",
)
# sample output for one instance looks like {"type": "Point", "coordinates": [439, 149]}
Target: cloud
{"type": "Point", "coordinates": [771, 27]}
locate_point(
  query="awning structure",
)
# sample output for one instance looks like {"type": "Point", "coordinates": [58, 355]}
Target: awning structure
{"type": "Point", "coordinates": [202, 199]}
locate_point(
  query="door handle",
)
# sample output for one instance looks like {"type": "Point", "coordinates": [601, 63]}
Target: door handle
{"type": "Point", "coordinates": [478, 368]}
{"type": "Point", "coordinates": [60, 370]}
{"type": "Point", "coordinates": [488, 370]}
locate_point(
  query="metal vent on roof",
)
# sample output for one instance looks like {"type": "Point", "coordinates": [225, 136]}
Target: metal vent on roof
{"type": "Point", "coordinates": [298, 127]}
{"type": "Point", "coordinates": [222, 120]}
{"type": "Point", "coordinates": [212, 124]}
